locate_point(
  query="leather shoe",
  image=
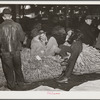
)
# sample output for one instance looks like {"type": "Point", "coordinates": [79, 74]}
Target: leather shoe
{"type": "Point", "coordinates": [63, 80]}
{"type": "Point", "coordinates": [24, 86]}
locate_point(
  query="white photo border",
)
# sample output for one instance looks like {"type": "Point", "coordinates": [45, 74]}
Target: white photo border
{"type": "Point", "coordinates": [44, 94]}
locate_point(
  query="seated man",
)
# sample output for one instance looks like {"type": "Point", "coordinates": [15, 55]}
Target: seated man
{"type": "Point", "coordinates": [75, 50]}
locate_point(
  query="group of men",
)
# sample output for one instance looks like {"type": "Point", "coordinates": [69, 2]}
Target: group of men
{"type": "Point", "coordinates": [11, 40]}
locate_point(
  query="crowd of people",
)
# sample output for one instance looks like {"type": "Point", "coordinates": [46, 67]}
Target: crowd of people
{"type": "Point", "coordinates": [53, 54]}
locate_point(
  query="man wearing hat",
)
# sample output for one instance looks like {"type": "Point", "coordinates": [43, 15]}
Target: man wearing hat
{"type": "Point", "coordinates": [87, 31]}
{"type": "Point", "coordinates": [11, 38]}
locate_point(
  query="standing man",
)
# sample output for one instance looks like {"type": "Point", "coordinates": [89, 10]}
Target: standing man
{"type": "Point", "coordinates": [11, 38]}
{"type": "Point", "coordinates": [87, 30]}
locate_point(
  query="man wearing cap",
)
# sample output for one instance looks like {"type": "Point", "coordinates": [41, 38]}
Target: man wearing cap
{"type": "Point", "coordinates": [87, 31]}
{"type": "Point", "coordinates": [11, 38]}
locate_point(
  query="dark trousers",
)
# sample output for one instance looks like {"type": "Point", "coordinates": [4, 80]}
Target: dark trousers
{"type": "Point", "coordinates": [11, 64]}
{"type": "Point", "coordinates": [76, 50]}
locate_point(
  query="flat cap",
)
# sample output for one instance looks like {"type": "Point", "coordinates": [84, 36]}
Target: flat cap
{"type": "Point", "coordinates": [7, 11]}
{"type": "Point", "coordinates": [88, 17]}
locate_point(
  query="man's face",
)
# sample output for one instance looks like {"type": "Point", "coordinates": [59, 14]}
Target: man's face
{"type": "Point", "coordinates": [88, 21]}
{"type": "Point", "coordinates": [43, 37]}
{"type": "Point", "coordinates": [99, 27]}
{"type": "Point", "coordinates": [69, 33]}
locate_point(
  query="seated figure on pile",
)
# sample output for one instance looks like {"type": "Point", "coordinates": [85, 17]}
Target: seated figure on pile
{"type": "Point", "coordinates": [84, 59]}
{"type": "Point", "coordinates": [40, 62]}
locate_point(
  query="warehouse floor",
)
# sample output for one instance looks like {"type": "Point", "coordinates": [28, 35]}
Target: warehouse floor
{"type": "Point", "coordinates": [75, 80]}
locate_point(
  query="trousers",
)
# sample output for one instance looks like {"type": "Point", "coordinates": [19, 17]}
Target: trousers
{"type": "Point", "coordinates": [76, 50]}
{"type": "Point", "coordinates": [11, 64]}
